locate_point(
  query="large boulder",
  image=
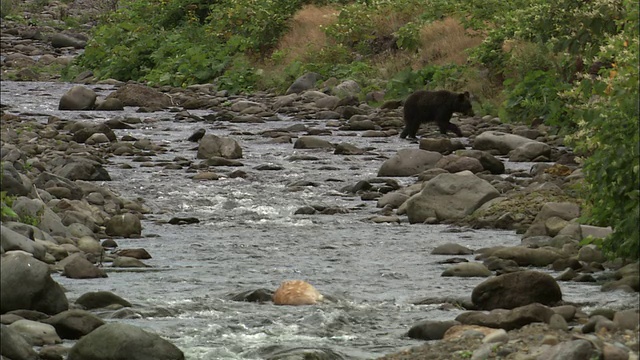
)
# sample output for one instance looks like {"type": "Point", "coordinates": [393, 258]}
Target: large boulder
{"type": "Point", "coordinates": [467, 269]}
{"type": "Point", "coordinates": [501, 142]}
{"type": "Point", "coordinates": [508, 319]}
{"type": "Point", "coordinates": [11, 240]}
{"type": "Point", "coordinates": [125, 225]}
{"type": "Point", "coordinates": [116, 341]}
{"type": "Point", "coordinates": [83, 170]}
{"type": "Point", "coordinates": [36, 333]}
{"type": "Point", "coordinates": [430, 329]}
{"type": "Point", "coordinates": [524, 256]}
{"type": "Point", "coordinates": [74, 324]}
{"type": "Point", "coordinates": [304, 82]}
{"type": "Point", "coordinates": [211, 146]}
{"type": "Point", "coordinates": [449, 197]}
{"type": "Point", "coordinates": [100, 299]}
{"type": "Point", "coordinates": [140, 95]}
{"type": "Point", "coordinates": [488, 161]}
{"type": "Point", "coordinates": [78, 98]}
{"type": "Point", "coordinates": [516, 289]}
{"type": "Point", "coordinates": [296, 292]}
{"type": "Point", "coordinates": [312, 142]}
{"type": "Point", "coordinates": [409, 162]}
{"type": "Point", "coordinates": [81, 268]}
{"type": "Point", "coordinates": [26, 284]}
{"type": "Point", "coordinates": [61, 40]}
{"type": "Point", "coordinates": [530, 151]}
{"type": "Point", "coordinates": [11, 180]}
{"type": "Point", "coordinates": [14, 346]}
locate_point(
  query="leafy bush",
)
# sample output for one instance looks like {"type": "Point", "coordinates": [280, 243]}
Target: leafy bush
{"type": "Point", "coordinates": [448, 77]}
{"type": "Point", "coordinates": [181, 42]}
{"type": "Point", "coordinates": [7, 8]}
{"type": "Point", "coordinates": [606, 111]}
{"type": "Point", "coordinates": [535, 97]}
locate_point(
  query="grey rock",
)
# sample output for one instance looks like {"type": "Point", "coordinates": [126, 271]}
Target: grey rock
{"type": "Point", "coordinates": [115, 341]}
{"type": "Point", "coordinates": [27, 284]}
{"type": "Point", "coordinates": [516, 289]}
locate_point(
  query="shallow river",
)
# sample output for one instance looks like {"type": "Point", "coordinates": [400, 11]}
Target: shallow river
{"type": "Point", "coordinates": [248, 238]}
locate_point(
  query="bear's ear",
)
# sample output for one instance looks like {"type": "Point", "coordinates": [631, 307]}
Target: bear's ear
{"type": "Point", "coordinates": [464, 96]}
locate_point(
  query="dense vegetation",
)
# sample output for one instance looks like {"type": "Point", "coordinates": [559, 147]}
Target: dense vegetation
{"type": "Point", "coordinates": [570, 64]}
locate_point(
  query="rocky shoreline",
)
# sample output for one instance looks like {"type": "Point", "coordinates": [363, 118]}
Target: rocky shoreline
{"type": "Point", "coordinates": [62, 218]}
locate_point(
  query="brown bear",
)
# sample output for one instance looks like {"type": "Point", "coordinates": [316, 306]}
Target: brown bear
{"type": "Point", "coordinates": [425, 106]}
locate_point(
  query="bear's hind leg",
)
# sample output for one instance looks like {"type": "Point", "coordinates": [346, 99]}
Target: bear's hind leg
{"type": "Point", "coordinates": [410, 130]}
{"type": "Point", "coordinates": [454, 128]}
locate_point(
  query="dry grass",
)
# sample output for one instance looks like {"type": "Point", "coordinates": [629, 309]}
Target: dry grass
{"type": "Point", "coordinates": [445, 42]}
{"type": "Point", "coordinates": [306, 35]}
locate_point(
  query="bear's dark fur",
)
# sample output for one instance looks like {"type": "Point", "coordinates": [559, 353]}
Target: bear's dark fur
{"type": "Point", "coordinates": [426, 106]}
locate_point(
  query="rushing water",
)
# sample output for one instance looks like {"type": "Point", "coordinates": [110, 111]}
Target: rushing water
{"type": "Point", "coordinates": [248, 238]}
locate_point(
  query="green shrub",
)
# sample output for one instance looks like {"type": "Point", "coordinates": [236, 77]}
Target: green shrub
{"type": "Point", "coordinates": [7, 8]}
{"type": "Point", "coordinates": [535, 97]}
{"type": "Point", "coordinates": [606, 111]}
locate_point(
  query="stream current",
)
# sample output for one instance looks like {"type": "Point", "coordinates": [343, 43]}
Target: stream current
{"type": "Point", "coordinates": [249, 238]}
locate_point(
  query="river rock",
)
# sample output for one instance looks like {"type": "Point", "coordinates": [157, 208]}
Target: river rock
{"type": "Point", "coordinates": [409, 162]}
{"type": "Point", "coordinates": [27, 284]}
{"type": "Point", "coordinates": [327, 102]}
{"type": "Point", "coordinates": [454, 163]}
{"type": "Point", "coordinates": [125, 225]}
{"type": "Point", "coordinates": [11, 240]}
{"type": "Point", "coordinates": [442, 145]}
{"type": "Point", "coordinates": [35, 332]}
{"type": "Point", "coordinates": [100, 299]}
{"type": "Point", "coordinates": [114, 341]}
{"type": "Point", "coordinates": [516, 289]}
{"type": "Point", "coordinates": [530, 151]}
{"type": "Point", "coordinates": [312, 142]}
{"type": "Point", "coordinates": [524, 256]}
{"type": "Point", "coordinates": [78, 98]}
{"type": "Point", "coordinates": [463, 330]}
{"type": "Point", "coordinates": [60, 40]}
{"type": "Point", "coordinates": [507, 319]}
{"type": "Point", "coordinates": [451, 249]}
{"type": "Point", "coordinates": [78, 267]}
{"type": "Point", "coordinates": [563, 210]}
{"type": "Point", "coordinates": [499, 141]}
{"type": "Point", "coordinates": [14, 346]}
{"type": "Point", "coordinates": [488, 161]}
{"type": "Point", "coordinates": [138, 253]}
{"type": "Point", "coordinates": [140, 95]}
{"type": "Point", "coordinates": [83, 170]}
{"type": "Point", "coordinates": [579, 349]}
{"type": "Point", "coordinates": [128, 262]}
{"type": "Point", "coordinates": [214, 146]}
{"type": "Point", "coordinates": [304, 82]}
{"type": "Point", "coordinates": [430, 329]}
{"type": "Point", "coordinates": [90, 245]}
{"type": "Point", "coordinates": [448, 197]}
{"type": "Point", "coordinates": [296, 292]}
{"type": "Point", "coordinates": [393, 199]}
{"type": "Point", "coordinates": [82, 132]}
{"type": "Point", "coordinates": [346, 89]}
{"type": "Point", "coordinates": [470, 269]}
{"type": "Point", "coordinates": [111, 104]}
{"type": "Point", "coordinates": [74, 324]}
{"type": "Point", "coordinates": [48, 179]}
{"type": "Point", "coordinates": [12, 182]}
{"type": "Point", "coordinates": [258, 295]}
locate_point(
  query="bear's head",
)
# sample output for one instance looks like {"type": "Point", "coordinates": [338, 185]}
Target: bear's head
{"type": "Point", "coordinates": [463, 105]}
